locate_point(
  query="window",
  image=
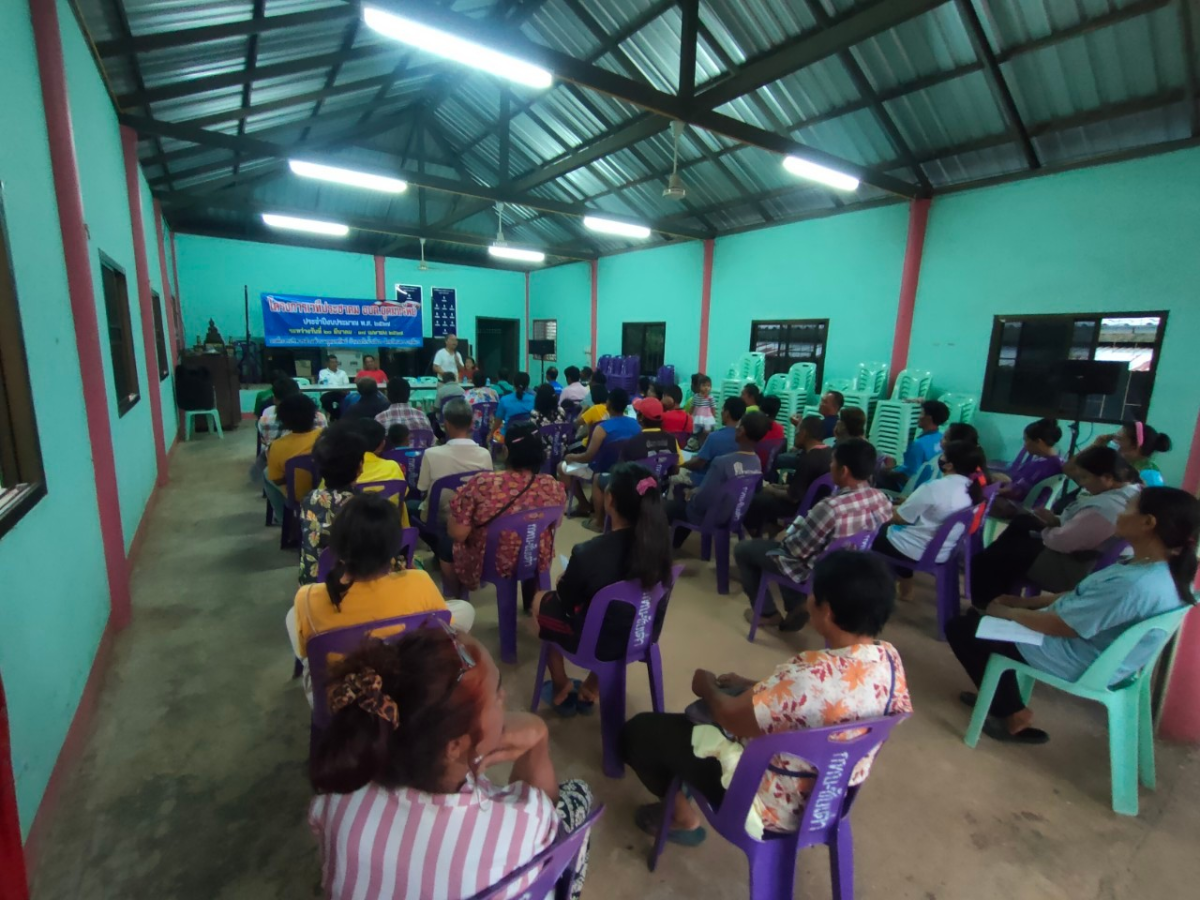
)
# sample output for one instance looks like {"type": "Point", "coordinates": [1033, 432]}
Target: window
{"type": "Point", "coordinates": [546, 330]}
{"type": "Point", "coordinates": [790, 341]}
{"type": "Point", "coordinates": [120, 334]}
{"type": "Point", "coordinates": [646, 340]}
{"type": "Point", "coordinates": [22, 481]}
{"type": "Point", "coordinates": [164, 361]}
{"type": "Point", "coordinates": [1025, 369]}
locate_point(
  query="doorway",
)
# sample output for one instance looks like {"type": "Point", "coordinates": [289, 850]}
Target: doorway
{"type": "Point", "coordinates": [497, 345]}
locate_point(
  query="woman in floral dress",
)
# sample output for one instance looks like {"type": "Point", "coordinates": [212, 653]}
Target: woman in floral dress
{"type": "Point", "coordinates": [339, 455]}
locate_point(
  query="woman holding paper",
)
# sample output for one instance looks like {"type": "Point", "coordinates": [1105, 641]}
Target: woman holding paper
{"type": "Point", "coordinates": [1064, 634]}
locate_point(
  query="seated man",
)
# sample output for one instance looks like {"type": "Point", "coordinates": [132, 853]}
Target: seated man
{"type": "Point", "coordinates": [552, 380]}
{"type": "Point", "coordinates": [448, 388]}
{"type": "Point", "coordinates": [575, 390]}
{"type": "Point", "coordinates": [779, 501]}
{"type": "Point", "coordinates": [719, 443]}
{"type": "Point", "coordinates": [460, 453]}
{"type": "Point", "coordinates": [650, 441]}
{"type": "Point", "coordinates": [856, 507]}
{"type": "Point", "coordinates": [397, 436]}
{"type": "Point", "coordinates": [829, 409]}
{"type": "Point", "coordinates": [400, 411]}
{"type": "Point", "coordinates": [769, 407]}
{"type": "Point", "coordinates": [743, 461]}
{"type": "Point", "coordinates": [371, 370]}
{"type": "Point", "coordinates": [934, 414]}
{"type": "Point", "coordinates": [581, 467]}
{"type": "Point", "coordinates": [269, 425]}
{"type": "Point", "coordinates": [370, 401]}
{"type": "Point", "coordinates": [751, 396]}
{"type": "Point", "coordinates": [852, 423]}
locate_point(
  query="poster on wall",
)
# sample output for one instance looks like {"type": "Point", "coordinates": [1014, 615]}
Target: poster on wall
{"type": "Point", "coordinates": [291, 320]}
{"type": "Point", "coordinates": [445, 311]}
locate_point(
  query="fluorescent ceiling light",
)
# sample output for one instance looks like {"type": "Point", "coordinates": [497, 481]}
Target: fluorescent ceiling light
{"type": "Point", "coordinates": [452, 47]}
{"type": "Point", "coordinates": [348, 176]}
{"type": "Point", "coordinates": [315, 226]}
{"type": "Point", "coordinates": [611, 226]}
{"type": "Point", "coordinates": [824, 175]}
{"type": "Point", "coordinates": [504, 251]}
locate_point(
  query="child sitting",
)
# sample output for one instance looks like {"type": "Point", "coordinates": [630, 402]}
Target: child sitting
{"type": "Point", "coordinates": [397, 436]}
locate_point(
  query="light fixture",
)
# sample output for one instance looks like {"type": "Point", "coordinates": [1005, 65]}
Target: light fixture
{"type": "Point", "coordinates": [814, 172]}
{"type": "Point", "coordinates": [611, 226]}
{"type": "Point", "coordinates": [504, 251]}
{"type": "Point", "coordinates": [348, 176]}
{"type": "Point", "coordinates": [452, 47]}
{"type": "Point", "coordinates": [315, 226]}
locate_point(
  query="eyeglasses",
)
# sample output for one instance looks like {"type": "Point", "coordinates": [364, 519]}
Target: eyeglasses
{"type": "Point", "coordinates": [466, 660]}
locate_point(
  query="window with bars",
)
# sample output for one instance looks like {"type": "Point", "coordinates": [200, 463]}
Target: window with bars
{"type": "Point", "coordinates": [546, 330]}
{"type": "Point", "coordinates": [789, 341]}
{"type": "Point", "coordinates": [120, 334]}
{"type": "Point", "coordinates": [1025, 372]}
{"type": "Point", "coordinates": [648, 341]}
{"type": "Point", "coordinates": [22, 479]}
{"type": "Point", "coordinates": [160, 338]}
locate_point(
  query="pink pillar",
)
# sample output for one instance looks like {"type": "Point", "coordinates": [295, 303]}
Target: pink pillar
{"type": "Point", "coordinates": [48, 42]}
{"type": "Point", "coordinates": [1179, 719]}
{"type": "Point", "coordinates": [918, 217]}
{"type": "Point", "coordinates": [380, 281]}
{"type": "Point", "coordinates": [595, 263]}
{"type": "Point", "coordinates": [528, 323]}
{"type": "Point", "coordinates": [13, 885]}
{"type": "Point", "coordinates": [705, 301]}
{"type": "Point", "coordinates": [133, 190]}
{"type": "Point", "coordinates": [168, 291]}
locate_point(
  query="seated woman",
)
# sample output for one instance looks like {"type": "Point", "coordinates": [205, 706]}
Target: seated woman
{"type": "Point", "coordinates": [1056, 553]}
{"type": "Point", "coordinates": [1041, 461]}
{"type": "Point", "coordinates": [855, 677]}
{"type": "Point", "coordinates": [917, 519]}
{"type": "Point", "coordinates": [515, 406]}
{"type": "Point", "coordinates": [592, 415]}
{"type": "Point", "coordinates": [297, 415]}
{"type": "Point", "coordinates": [362, 586]}
{"type": "Point", "coordinates": [339, 453]}
{"type": "Point", "coordinates": [636, 549]}
{"type": "Point", "coordinates": [546, 410]}
{"type": "Point", "coordinates": [376, 468]}
{"type": "Point", "coordinates": [1161, 524]}
{"type": "Point", "coordinates": [415, 726]}
{"type": "Point", "coordinates": [1137, 443]}
{"type": "Point", "coordinates": [487, 497]}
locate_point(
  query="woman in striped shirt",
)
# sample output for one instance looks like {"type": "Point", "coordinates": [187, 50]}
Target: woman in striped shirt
{"type": "Point", "coordinates": [403, 810]}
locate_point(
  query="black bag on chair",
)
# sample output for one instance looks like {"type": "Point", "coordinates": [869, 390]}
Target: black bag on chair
{"type": "Point", "coordinates": [194, 388]}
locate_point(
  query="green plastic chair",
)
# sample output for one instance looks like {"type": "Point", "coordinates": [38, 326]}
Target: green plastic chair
{"type": "Point", "coordinates": [1130, 717]}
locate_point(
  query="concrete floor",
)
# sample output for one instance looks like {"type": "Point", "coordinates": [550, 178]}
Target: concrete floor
{"type": "Point", "coordinates": [192, 784]}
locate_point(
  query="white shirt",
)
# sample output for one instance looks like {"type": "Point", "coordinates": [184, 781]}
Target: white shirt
{"type": "Point", "coordinates": [446, 361]}
{"type": "Point", "coordinates": [456, 455]}
{"type": "Point", "coordinates": [575, 391]}
{"type": "Point", "coordinates": [928, 507]}
{"type": "Point", "coordinates": [330, 378]}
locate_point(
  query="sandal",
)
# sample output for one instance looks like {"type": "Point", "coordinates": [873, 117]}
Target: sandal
{"type": "Point", "coordinates": [583, 707]}
{"type": "Point", "coordinates": [564, 710]}
{"type": "Point", "coordinates": [968, 698]}
{"type": "Point", "coordinates": [995, 729]}
{"type": "Point", "coordinates": [648, 818]}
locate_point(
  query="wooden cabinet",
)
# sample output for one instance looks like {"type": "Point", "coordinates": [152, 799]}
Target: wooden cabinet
{"type": "Point", "coordinates": [224, 371]}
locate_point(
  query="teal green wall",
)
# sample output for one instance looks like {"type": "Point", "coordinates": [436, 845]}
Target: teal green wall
{"type": "Point", "coordinates": [166, 386]}
{"type": "Point", "coordinates": [658, 285]}
{"type": "Point", "coordinates": [54, 603]}
{"type": "Point", "coordinates": [564, 293]}
{"type": "Point", "coordinates": [843, 268]}
{"type": "Point", "coordinates": [1105, 239]}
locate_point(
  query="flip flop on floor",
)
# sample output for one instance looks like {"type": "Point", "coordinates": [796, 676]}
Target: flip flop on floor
{"type": "Point", "coordinates": [995, 729]}
{"type": "Point", "coordinates": [649, 817]}
{"type": "Point", "coordinates": [968, 698]}
{"type": "Point", "coordinates": [583, 707]}
{"type": "Point", "coordinates": [567, 708]}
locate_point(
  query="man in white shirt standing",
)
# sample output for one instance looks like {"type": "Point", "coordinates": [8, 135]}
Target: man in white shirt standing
{"type": "Point", "coordinates": [448, 359]}
{"type": "Point", "coordinates": [333, 375]}
{"type": "Point", "coordinates": [458, 454]}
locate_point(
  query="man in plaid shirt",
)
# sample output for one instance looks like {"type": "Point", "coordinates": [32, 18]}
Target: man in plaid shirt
{"type": "Point", "coordinates": [855, 507]}
{"type": "Point", "coordinates": [400, 412]}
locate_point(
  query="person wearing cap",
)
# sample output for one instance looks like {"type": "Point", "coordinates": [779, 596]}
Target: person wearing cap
{"type": "Point", "coordinates": [650, 441]}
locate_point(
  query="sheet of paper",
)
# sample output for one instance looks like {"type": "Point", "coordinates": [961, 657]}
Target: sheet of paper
{"type": "Point", "coordinates": [575, 468]}
{"type": "Point", "coordinates": [564, 561]}
{"type": "Point", "coordinates": [993, 629]}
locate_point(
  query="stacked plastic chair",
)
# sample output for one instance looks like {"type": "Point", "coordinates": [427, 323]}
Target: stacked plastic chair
{"type": "Point", "coordinates": [666, 375]}
{"type": "Point", "coordinates": [871, 377]}
{"type": "Point", "coordinates": [962, 407]}
{"type": "Point", "coordinates": [802, 375]}
{"type": "Point", "coordinates": [791, 402]}
{"type": "Point", "coordinates": [892, 427]}
{"type": "Point", "coordinates": [912, 384]}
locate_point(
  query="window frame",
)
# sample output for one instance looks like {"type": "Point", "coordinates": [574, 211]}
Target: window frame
{"type": "Point", "coordinates": [641, 355]}
{"type": "Point", "coordinates": [533, 335]}
{"type": "Point", "coordinates": [755, 324]}
{"type": "Point", "coordinates": [160, 338]}
{"type": "Point", "coordinates": [21, 463]}
{"type": "Point", "coordinates": [988, 404]}
{"type": "Point", "coordinates": [129, 362]}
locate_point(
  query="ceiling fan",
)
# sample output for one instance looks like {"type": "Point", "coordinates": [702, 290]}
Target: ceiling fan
{"type": "Point", "coordinates": [675, 189]}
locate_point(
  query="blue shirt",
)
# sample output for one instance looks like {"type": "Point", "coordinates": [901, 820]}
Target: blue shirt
{"type": "Point", "coordinates": [556, 385]}
{"type": "Point", "coordinates": [920, 451]}
{"type": "Point", "coordinates": [617, 428]}
{"type": "Point", "coordinates": [1099, 610]}
{"type": "Point", "coordinates": [721, 470]}
{"type": "Point", "coordinates": [720, 443]}
{"type": "Point", "coordinates": [510, 406]}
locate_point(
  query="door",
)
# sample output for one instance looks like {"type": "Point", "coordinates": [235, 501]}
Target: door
{"type": "Point", "coordinates": [498, 345]}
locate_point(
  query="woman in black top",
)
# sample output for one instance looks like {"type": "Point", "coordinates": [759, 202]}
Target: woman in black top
{"type": "Point", "coordinates": [638, 548]}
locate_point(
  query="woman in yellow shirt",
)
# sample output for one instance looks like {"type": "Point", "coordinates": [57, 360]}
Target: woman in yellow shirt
{"type": "Point", "coordinates": [298, 416]}
{"type": "Point", "coordinates": [594, 414]}
{"type": "Point", "coordinates": [362, 586]}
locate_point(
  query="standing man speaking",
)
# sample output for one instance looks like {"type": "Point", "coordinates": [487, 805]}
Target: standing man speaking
{"type": "Point", "coordinates": [448, 359]}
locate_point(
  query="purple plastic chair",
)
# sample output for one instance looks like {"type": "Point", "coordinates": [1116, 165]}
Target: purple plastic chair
{"type": "Point", "coordinates": [826, 816]}
{"type": "Point", "coordinates": [949, 598]}
{"type": "Point", "coordinates": [481, 423]}
{"type": "Point", "coordinates": [408, 544]}
{"type": "Point", "coordinates": [557, 438]}
{"type": "Point", "coordinates": [723, 518]}
{"type": "Point", "coordinates": [428, 527]}
{"type": "Point", "coordinates": [681, 437]}
{"type": "Point", "coordinates": [555, 867]}
{"type": "Point", "coordinates": [411, 463]}
{"type": "Point", "coordinates": [570, 408]}
{"type": "Point", "coordinates": [528, 525]}
{"type": "Point", "coordinates": [860, 541]}
{"type": "Point", "coordinates": [768, 451]}
{"type": "Point", "coordinates": [660, 464]}
{"type": "Point", "coordinates": [818, 490]}
{"type": "Point", "coordinates": [666, 375]}
{"type": "Point", "coordinates": [289, 531]}
{"type": "Point", "coordinates": [393, 487]}
{"type": "Point", "coordinates": [421, 439]}
{"type": "Point", "coordinates": [642, 647]}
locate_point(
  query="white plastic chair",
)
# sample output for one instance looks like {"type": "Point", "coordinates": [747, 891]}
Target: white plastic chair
{"type": "Point", "coordinates": [190, 415]}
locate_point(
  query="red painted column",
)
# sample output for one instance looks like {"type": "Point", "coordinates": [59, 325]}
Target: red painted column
{"type": "Point", "coordinates": [133, 190]}
{"type": "Point", "coordinates": [380, 281]}
{"type": "Point", "coordinates": [1179, 718]}
{"type": "Point", "coordinates": [13, 885]}
{"type": "Point", "coordinates": [705, 302]}
{"type": "Point", "coordinates": [168, 291]}
{"type": "Point", "coordinates": [918, 218]}
{"type": "Point", "coordinates": [595, 263]}
{"type": "Point", "coordinates": [178, 310]}
{"type": "Point", "coordinates": [528, 323]}
{"type": "Point", "coordinates": [48, 42]}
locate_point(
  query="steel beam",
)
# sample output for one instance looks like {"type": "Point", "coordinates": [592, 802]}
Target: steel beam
{"type": "Point", "coordinates": [690, 10]}
{"type": "Point", "coordinates": [186, 37]}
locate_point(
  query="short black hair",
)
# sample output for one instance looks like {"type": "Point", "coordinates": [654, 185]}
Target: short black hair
{"type": "Point", "coordinates": [552, 373]}
{"type": "Point", "coordinates": [399, 390]}
{"type": "Point", "coordinates": [736, 407]}
{"type": "Point", "coordinates": [449, 377]}
{"type": "Point", "coordinates": [755, 425]}
{"type": "Point", "coordinates": [814, 427]}
{"type": "Point", "coordinates": [1045, 430]}
{"type": "Point", "coordinates": [585, 373]}
{"type": "Point", "coordinates": [367, 356]}
{"type": "Point", "coordinates": [856, 455]}
{"type": "Point", "coordinates": [572, 374]}
{"type": "Point", "coordinates": [618, 398]}
{"type": "Point", "coordinates": [838, 397]}
{"type": "Point", "coordinates": [457, 412]}
{"type": "Point", "coordinates": [751, 390]}
{"type": "Point", "coordinates": [936, 410]}
{"type": "Point", "coordinates": [339, 454]}
{"type": "Point", "coordinates": [367, 386]}
{"type": "Point", "coordinates": [398, 435]}
{"type": "Point", "coordinates": [859, 588]}
{"type": "Point", "coordinates": [284, 387]}
{"type": "Point", "coordinates": [854, 420]}
{"type": "Point", "coordinates": [644, 382]}
{"type": "Point", "coordinates": [526, 451]}
{"type": "Point", "coordinates": [331, 356]}
{"type": "Point", "coordinates": [296, 413]}
{"type": "Point", "coordinates": [961, 431]}
{"type": "Point", "coordinates": [769, 406]}
{"type": "Point", "coordinates": [372, 431]}
{"type": "Point", "coordinates": [675, 392]}
{"type": "Point", "coordinates": [479, 378]}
